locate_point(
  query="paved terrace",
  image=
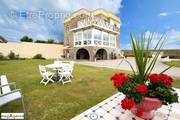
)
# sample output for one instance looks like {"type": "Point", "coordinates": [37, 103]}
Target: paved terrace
{"type": "Point", "coordinates": [123, 65]}
{"type": "Point", "coordinates": [110, 109]}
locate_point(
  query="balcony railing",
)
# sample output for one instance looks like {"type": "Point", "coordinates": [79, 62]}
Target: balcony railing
{"type": "Point", "coordinates": [98, 23]}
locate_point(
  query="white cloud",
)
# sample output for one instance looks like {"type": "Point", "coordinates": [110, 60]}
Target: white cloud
{"type": "Point", "coordinates": [72, 5]}
{"type": "Point", "coordinates": [13, 29]}
{"type": "Point", "coordinates": [125, 46]}
{"type": "Point", "coordinates": [41, 37]}
{"type": "Point", "coordinates": [178, 11]}
{"type": "Point", "coordinates": [163, 14]}
{"type": "Point", "coordinates": [172, 41]}
{"type": "Point", "coordinates": [2, 21]}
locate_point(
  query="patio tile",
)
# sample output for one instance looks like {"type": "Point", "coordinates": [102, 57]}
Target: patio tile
{"type": "Point", "coordinates": [110, 109]}
{"type": "Point", "coordinates": [101, 112]}
{"type": "Point", "coordinates": [109, 117]}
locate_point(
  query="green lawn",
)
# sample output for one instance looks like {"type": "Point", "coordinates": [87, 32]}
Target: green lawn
{"type": "Point", "coordinates": [90, 86]}
{"type": "Point", "coordinates": [173, 63]}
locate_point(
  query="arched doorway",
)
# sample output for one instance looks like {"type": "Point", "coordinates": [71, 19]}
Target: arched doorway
{"type": "Point", "coordinates": [101, 54]}
{"type": "Point", "coordinates": [82, 54]}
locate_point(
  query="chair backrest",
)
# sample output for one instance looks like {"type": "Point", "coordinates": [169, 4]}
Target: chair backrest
{"type": "Point", "coordinates": [57, 62]}
{"type": "Point", "coordinates": [42, 69]}
{"type": "Point", "coordinates": [8, 95]}
{"type": "Point", "coordinates": [5, 89]}
{"type": "Point", "coordinates": [72, 63]}
{"type": "Point", "coordinates": [67, 68]}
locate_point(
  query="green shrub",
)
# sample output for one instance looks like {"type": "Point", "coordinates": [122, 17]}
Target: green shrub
{"type": "Point", "coordinates": [2, 57]}
{"type": "Point", "coordinates": [38, 56]}
{"type": "Point", "coordinates": [51, 41]}
{"type": "Point", "coordinates": [26, 39]}
{"type": "Point", "coordinates": [61, 42]}
{"type": "Point", "coordinates": [40, 41]}
{"type": "Point", "coordinates": [11, 55]}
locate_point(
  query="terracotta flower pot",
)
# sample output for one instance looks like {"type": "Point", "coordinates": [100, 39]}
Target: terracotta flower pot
{"type": "Point", "coordinates": [148, 105]}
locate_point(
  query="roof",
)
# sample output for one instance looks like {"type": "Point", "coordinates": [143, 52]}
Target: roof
{"type": "Point", "coordinates": [2, 39]}
{"type": "Point", "coordinates": [94, 12]}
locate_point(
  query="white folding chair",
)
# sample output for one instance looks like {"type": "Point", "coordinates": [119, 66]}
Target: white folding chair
{"type": "Point", "coordinates": [46, 75]}
{"type": "Point", "coordinates": [7, 95]}
{"type": "Point", "coordinates": [72, 65]}
{"type": "Point", "coordinates": [66, 73]}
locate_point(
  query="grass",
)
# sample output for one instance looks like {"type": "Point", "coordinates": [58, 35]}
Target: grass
{"type": "Point", "coordinates": [173, 63]}
{"type": "Point", "coordinates": [55, 101]}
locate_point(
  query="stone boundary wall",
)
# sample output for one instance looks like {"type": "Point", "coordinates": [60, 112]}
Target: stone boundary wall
{"type": "Point", "coordinates": [172, 53]}
{"type": "Point", "coordinates": [28, 50]}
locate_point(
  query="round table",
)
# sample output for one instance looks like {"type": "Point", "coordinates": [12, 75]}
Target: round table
{"type": "Point", "coordinates": [57, 67]}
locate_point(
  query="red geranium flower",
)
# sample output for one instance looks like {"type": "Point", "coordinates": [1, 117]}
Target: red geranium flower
{"type": "Point", "coordinates": [154, 78]}
{"type": "Point", "coordinates": [165, 79]}
{"type": "Point", "coordinates": [127, 103]}
{"type": "Point", "coordinates": [119, 79]}
{"type": "Point", "coordinates": [161, 78]}
{"type": "Point", "coordinates": [139, 112]}
{"type": "Point", "coordinates": [142, 89]}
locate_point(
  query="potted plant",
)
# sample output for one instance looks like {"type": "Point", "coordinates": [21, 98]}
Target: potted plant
{"type": "Point", "coordinates": [145, 91]}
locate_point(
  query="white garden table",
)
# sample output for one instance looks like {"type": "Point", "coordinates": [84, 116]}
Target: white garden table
{"type": "Point", "coordinates": [110, 109]}
{"type": "Point", "coordinates": [57, 67]}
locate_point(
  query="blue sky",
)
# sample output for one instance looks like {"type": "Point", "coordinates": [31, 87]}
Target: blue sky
{"type": "Point", "coordinates": [158, 16]}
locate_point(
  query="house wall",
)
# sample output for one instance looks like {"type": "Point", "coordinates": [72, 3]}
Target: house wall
{"type": "Point", "coordinates": [71, 22]}
{"type": "Point", "coordinates": [28, 50]}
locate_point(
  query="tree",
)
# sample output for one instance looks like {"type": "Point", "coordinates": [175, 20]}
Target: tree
{"type": "Point", "coordinates": [61, 42]}
{"type": "Point", "coordinates": [30, 40]}
{"type": "Point", "coordinates": [40, 41]}
{"type": "Point", "coordinates": [50, 41]}
{"type": "Point", "coordinates": [26, 39]}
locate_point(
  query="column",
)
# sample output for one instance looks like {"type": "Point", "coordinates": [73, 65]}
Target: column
{"type": "Point", "coordinates": [92, 39]}
{"type": "Point", "coordinates": [82, 38]}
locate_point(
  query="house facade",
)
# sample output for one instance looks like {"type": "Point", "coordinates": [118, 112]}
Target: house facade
{"type": "Point", "coordinates": [91, 35]}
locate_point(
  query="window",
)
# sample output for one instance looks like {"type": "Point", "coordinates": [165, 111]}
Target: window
{"type": "Point", "coordinates": [112, 39]}
{"type": "Point", "coordinates": [105, 39]}
{"type": "Point", "coordinates": [87, 37]}
{"type": "Point", "coordinates": [78, 38]}
{"type": "Point", "coordinates": [97, 37]}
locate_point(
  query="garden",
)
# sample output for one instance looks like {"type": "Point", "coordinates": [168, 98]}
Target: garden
{"type": "Point", "coordinates": [56, 101]}
{"type": "Point", "coordinates": [90, 86]}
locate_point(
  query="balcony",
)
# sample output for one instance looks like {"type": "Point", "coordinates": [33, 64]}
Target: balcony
{"type": "Point", "coordinates": [97, 23]}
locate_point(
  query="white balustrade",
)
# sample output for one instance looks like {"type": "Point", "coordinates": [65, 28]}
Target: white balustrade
{"type": "Point", "coordinates": [95, 21]}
